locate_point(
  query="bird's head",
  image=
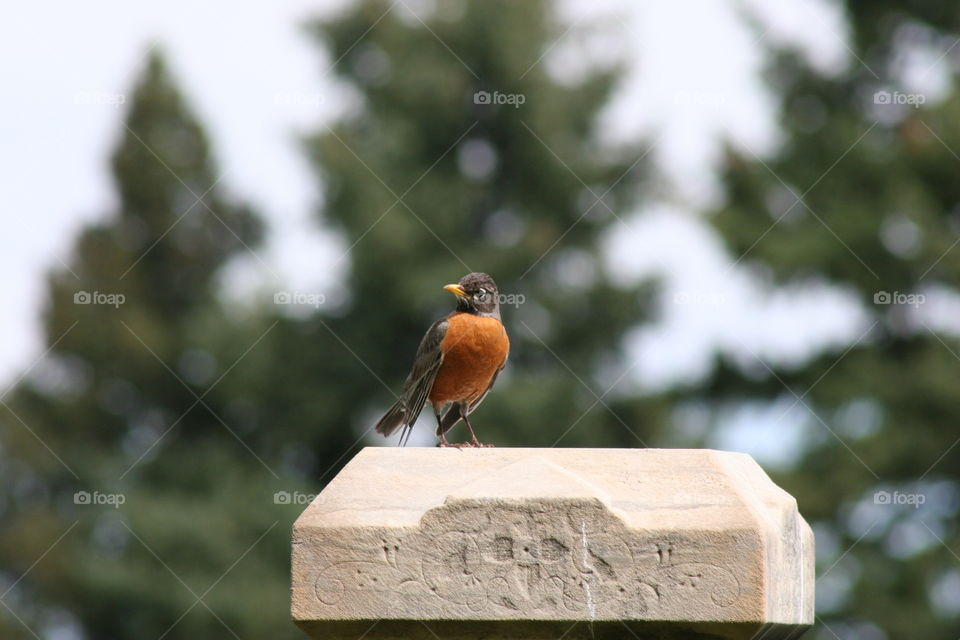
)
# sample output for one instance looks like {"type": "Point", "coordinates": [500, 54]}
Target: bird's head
{"type": "Point", "coordinates": [476, 293]}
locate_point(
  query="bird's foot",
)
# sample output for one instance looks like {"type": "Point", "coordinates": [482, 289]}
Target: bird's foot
{"type": "Point", "coordinates": [476, 444]}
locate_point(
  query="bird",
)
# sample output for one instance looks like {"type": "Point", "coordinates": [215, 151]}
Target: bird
{"type": "Point", "coordinates": [456, 364]}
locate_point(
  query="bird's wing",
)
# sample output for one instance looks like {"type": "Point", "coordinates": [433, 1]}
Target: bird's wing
{"type": "Point", "coordinates": [425, 366]}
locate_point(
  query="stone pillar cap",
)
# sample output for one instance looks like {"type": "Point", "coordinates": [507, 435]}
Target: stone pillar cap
{"type": "Point", "coordinates": [505, 542]}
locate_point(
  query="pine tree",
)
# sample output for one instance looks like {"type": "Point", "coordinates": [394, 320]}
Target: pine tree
{"type": "Point", "coordinates": [125, 478]}
{"type": "Point", "coordinates": [864, 195]}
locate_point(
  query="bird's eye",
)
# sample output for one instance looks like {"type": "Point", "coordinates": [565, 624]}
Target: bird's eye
{"type": "Point", "coordinates": [482, 294]}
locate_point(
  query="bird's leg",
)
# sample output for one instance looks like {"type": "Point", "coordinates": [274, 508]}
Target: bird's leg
{"type": "Point", "coordinates": [443, 438]}
{"type": "Point", "coordinates": [474, 441]}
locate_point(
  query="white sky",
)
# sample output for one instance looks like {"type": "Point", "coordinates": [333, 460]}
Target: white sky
{"type": "Point", "coordinates": [251, 74]}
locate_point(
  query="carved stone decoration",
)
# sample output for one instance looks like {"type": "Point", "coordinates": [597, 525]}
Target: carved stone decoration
{"type": "Point", "coordinates": [701, 540]}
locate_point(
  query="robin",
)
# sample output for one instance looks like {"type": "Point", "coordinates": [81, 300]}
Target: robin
{"type": "Point", "coordinates": [457, 362]}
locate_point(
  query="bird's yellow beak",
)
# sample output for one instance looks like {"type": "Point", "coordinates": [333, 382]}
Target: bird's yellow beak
{"type": "Point", "coordinates": [456, 289]}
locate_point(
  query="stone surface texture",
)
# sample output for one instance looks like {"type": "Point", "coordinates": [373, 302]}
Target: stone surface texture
{"type": "Point", "coordinates": [537, 543]}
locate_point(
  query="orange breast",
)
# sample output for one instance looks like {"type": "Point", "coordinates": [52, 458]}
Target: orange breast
{"type": "Point", "coordinates": [473, 349]}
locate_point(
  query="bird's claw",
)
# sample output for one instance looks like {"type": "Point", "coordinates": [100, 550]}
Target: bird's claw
{"type": "Point", "coordinates": [466, 445]}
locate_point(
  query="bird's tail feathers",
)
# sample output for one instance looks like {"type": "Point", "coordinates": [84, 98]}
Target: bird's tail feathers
{"type": "Point", "coordinates": [393, 419]}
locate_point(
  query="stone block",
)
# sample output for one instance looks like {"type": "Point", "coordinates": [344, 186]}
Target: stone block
{"type": "Point", "coordinates": [548, 543]}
